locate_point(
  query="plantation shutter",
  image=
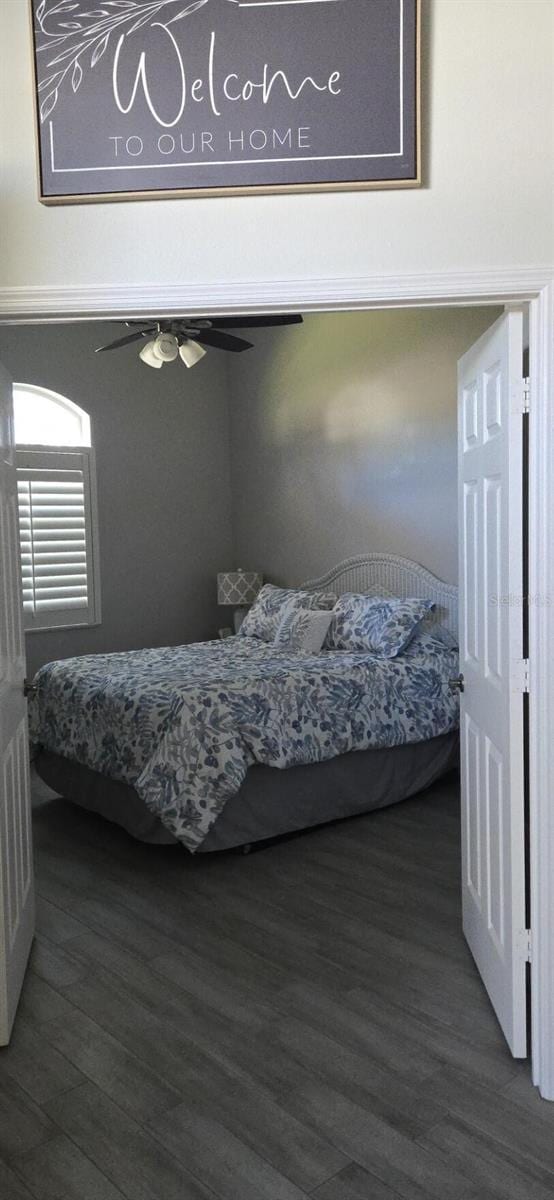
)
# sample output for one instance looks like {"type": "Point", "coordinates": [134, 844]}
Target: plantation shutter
{"type": "Point", "coordinates": [56, 538]}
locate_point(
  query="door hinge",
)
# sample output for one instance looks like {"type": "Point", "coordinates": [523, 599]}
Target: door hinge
{"type": "Point", "coordinates": [528, 945]}
{"type": "Point", "coordinates": [521, 675]}
{"type": "Point", "coordinates": [525, 394]}
{"type": "Point", "coordinates": [524, 945]}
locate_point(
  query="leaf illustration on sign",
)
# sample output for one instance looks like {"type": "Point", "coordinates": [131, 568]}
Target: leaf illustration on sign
{"type": "Point", "coordinates": [99, 50]}
{"type": "Point", "coordinates": [77, 76]}
{"type": "Point", "coordinates": [76, 33]}
{"type": "Point", "coordinates": [48, 104]}
{"type": "Point", "coordinates": [190, 8]}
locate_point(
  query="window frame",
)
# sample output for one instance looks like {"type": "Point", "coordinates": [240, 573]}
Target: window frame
{"type": "Point", "coordinates": [40, 457]}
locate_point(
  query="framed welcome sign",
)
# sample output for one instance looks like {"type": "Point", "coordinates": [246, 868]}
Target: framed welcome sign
{"type": "Point", "coordinates": [148, 98]}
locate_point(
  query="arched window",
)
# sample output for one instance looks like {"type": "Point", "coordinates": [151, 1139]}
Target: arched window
{"type": "Point", "coordinates": [45, 418]}
{"type": "Point", "coordinates": [56, 489]}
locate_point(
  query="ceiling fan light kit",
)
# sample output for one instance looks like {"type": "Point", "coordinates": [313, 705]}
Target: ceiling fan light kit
{"type": "Point", "coordinates": [162, 349]}
{"type": "Point", "coordinates": [166, 347]}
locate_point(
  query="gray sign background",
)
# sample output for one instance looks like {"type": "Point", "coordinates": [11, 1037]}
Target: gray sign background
{"type": "Point", "coordinates": [139, 96]}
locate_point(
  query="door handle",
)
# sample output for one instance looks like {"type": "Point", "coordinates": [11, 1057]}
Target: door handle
{"type": "Point", "coordinates": [456, 684]}
{"type": "Point", "coordinates": [29, 689]}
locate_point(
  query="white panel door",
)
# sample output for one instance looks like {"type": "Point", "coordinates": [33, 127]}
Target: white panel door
{"type": "Point", "coordinates": [490, 390]}
{"type": "Point", "coordinates": [17, 915]}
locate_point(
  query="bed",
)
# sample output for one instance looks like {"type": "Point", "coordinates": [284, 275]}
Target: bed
{"type": "Point", "coordinates": [226, 743]}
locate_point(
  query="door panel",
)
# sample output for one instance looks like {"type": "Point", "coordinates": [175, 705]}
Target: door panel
{"type": "Point", "coordinates": [16, 863]}
{"type": "Point", "coordinates": [491, 649]}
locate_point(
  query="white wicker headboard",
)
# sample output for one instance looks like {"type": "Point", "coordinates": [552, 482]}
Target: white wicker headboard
{"type": "Point", "coordinates": [389, 575]}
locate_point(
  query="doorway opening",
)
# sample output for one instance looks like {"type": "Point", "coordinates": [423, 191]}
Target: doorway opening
{"type": "Point", "coordinates": [333, 431]}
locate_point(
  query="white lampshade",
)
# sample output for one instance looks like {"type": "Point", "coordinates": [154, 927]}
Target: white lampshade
{"type": "Point", "coordinates": [164, 348]}
{"type": "Point", "coordinates": [147, 355]}
{"type": "Point", "coordinates": [191, 352]}
{"type": "Point", "coordinates": [238, 587]}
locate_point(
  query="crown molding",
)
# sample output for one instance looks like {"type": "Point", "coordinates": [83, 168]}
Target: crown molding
{"type": "Point", "coordinates": [70, 303]}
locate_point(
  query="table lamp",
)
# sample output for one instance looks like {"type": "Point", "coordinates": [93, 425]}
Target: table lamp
{"type": "Point", "coordinates": [238, 588]}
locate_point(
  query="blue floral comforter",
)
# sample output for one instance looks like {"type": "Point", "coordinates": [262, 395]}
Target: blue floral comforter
{"type": "Point", "coordinates": [183, 724]}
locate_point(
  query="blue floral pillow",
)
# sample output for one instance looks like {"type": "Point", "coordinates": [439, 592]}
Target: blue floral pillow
{"type": "Point", "coordinates": [381, 626]}
{"type": "Point", "coordinates": [270, 605]}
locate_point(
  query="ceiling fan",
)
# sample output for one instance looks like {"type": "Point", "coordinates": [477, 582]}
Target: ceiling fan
{"type": "Point", "coordinates": [186, 337]}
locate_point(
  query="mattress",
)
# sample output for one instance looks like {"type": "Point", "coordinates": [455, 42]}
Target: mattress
{"type": "Point", "coordinates": [183, 726]}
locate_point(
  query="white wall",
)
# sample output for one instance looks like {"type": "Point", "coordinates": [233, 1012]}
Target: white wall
{"type": "Point", "coordinates": [162, 456]}
{"type": "Point", "coordinates": [487, 199]}
{"type": "Point", "coordinates": [343, 440]}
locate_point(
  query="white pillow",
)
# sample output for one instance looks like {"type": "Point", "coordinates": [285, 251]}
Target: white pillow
{"type": "Point", "coordinates": [303, 629]}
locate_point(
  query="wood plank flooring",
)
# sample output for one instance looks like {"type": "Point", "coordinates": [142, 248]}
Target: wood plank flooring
{"type": "Point", "coordinates": [303, 1021]}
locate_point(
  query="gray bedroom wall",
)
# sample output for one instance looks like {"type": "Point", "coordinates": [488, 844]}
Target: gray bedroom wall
{"type": "Point", "coordinates": [162, 456]}
{"type": "Point", "coordinates": [343, 435]}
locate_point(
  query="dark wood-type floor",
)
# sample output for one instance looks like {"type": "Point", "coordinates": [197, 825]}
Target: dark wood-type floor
{"type": "Point", "coordinates": [305, 1021]}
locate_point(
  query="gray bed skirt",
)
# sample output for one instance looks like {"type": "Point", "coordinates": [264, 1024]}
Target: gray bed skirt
{"type": "Point", "coordinates": [270, 802]}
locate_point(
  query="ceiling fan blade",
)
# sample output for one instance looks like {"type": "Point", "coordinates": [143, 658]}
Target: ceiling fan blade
{"type": "Point", "coordinates": [222, 341]}
{"type": "Point", "coordinates": [124, 341]}
{"type": "Point", "coordinates": [257, 322]}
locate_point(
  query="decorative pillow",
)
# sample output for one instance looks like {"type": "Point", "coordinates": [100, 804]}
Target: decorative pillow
{"type": "Point", "coordinates": [270, 605]}
{"type": "Point", "coordinates": [381, 625]}
{"type": "Point", "coordinates": [438, 633]}
{"type": "Point", "coordinates": [303, 629]}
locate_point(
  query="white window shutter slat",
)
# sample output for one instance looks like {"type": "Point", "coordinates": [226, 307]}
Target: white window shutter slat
{"type": "Point", "coordinates": [56, 538]}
